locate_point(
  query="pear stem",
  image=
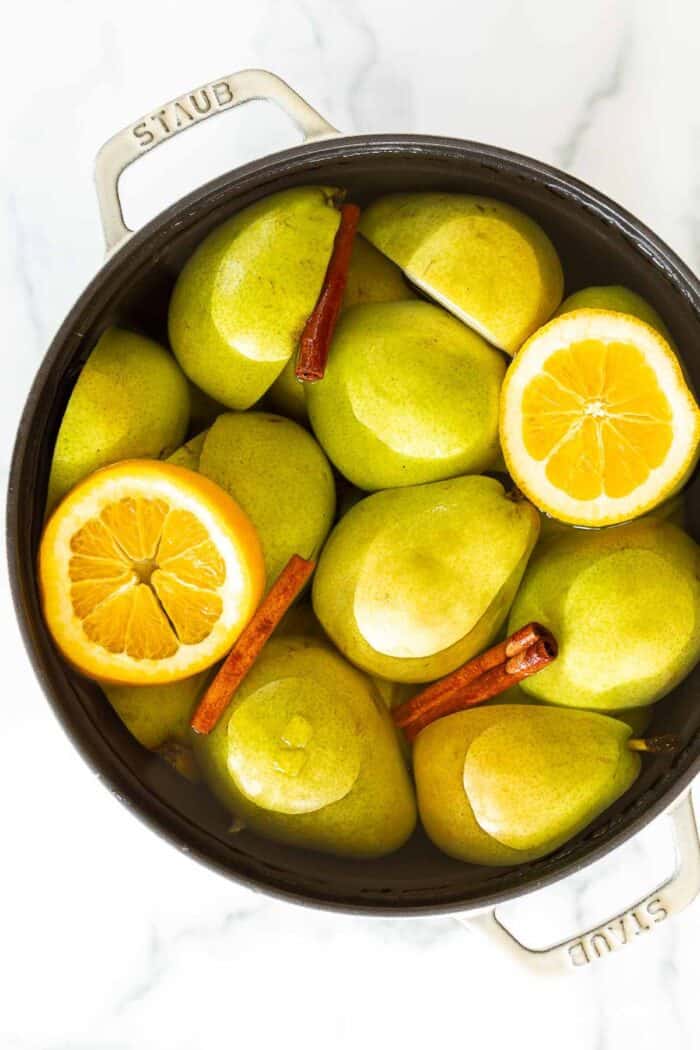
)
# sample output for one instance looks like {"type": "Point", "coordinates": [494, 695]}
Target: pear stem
{"type": "Point", "coordinates": [665, 744]}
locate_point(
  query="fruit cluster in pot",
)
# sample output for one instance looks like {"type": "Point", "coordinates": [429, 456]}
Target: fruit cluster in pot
{"type": "Point", "coordinates": [477, 456]}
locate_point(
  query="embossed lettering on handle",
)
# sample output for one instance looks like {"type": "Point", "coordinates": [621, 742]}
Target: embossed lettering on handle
{"type": "Point", "coordinates": [199, 104]}
{"type": "Point", "coordinates": [636, 922]}
{"type": "Point", "coordinates": [184, 112]}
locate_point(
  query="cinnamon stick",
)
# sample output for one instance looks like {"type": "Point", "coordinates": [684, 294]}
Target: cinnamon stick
{"type": "Point", "coordinates": [473, 669]}
{"type": "Point", "coordinates": [318, 331]}
{"type": "Point", "coordinates": [250, 643]}
{"type": "Point", "coordinates": [523, 654]}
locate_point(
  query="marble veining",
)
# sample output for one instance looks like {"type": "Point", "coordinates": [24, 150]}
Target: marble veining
{"type": "Point", "coordinates": [608, 88]}
{"type": "Point", "coordinates": [112, 940]}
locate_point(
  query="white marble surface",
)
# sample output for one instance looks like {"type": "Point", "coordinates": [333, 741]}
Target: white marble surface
{"type": "Point", "coordinates": [109, 939]}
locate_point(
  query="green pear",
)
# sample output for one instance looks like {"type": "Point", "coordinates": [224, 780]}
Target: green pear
{"type": "Point", "coordinates": [158, 714]}
{"type": "Point", "coordinates": [637, 718]}
{"type": "Point", "coordinates": [287, 394]}
{"type": "Point", "coordinates": [188, 455]}
{"type": "Point", "coordinates": [615, 297]}
{"type": "Point", "coordinates": [624, 606]}
{"type": "Point", "coordinates": [203, 409]}
{"type": "Point", "coordinates": [482, 259]}
{"type": "Point", "coordinates": [242, 299]}
{"type": "Point", "coordinates": [507, 784]}
{"type": "Point", "coordinates": [306, 754]}
{"type": "Point", "coordinates": [130, 400]}
{"type": "Point", "coordinates": [409, 396]}
{"type": "Point", "coordinates": [300, 622]}
{"type": "Point", "coordinates": [412, 582]}
{"type": "Point", "coordinates": [672, 510]}
{"type": "Point", "coordinates": [393, 693]}
{"type": "Point", "coordinates": [278, 474]}
{"type": "Point", "coordinates": [372, 278]}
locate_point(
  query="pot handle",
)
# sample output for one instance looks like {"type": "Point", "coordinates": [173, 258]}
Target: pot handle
{"type": "Point", "coordinates": [623, 929]}
{"type": "Point", "coordinates": [181, 113]}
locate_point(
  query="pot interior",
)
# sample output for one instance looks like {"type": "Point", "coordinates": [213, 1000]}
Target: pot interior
{"type": "Point", "coordinates": [597, 245]}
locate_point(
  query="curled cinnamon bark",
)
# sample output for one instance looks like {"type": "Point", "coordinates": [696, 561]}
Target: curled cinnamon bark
{"type": "Point", "coordinates": [318, 331]}
{"type": "Point", "coordinates": [431, 697]}
{"type": "Point", "coordinates": [250, 643]}
{"type": "Point", "coordinates": [525, 653]}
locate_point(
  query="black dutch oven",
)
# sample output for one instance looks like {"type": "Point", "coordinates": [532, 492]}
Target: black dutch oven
{"type": "Point", "coordinates": [599, 242]}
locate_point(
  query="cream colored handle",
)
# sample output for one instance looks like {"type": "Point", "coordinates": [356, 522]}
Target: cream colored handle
{"type": "Point", "coordinates": [623, 929]}
{"type": "Point", "coordinates": [184, 112]}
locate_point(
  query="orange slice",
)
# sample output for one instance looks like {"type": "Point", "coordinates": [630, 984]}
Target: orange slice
{"type": "Point", "coordinates": [597, 422]}
{"type": "Point", "coordinates": [148, 572]}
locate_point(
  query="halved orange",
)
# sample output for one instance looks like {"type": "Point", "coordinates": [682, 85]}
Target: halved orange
{"type": "Point", "coordinates": [597, 422]}
{"type": "Point", "coordinates": [148, 573]}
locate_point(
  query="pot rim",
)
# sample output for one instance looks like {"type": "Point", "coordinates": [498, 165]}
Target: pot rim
{"type": "Point", "coordinates": [87, 735]}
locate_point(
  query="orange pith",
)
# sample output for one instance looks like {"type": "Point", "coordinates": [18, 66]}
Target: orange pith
{"type": "Point", "coordinates": [597, 414]}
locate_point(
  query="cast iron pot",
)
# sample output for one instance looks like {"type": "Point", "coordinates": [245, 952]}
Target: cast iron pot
{"type": "Point", "coordinates": [599, 243]}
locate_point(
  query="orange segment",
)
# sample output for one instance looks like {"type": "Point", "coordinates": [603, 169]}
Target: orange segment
{"type": "Point", "coordinates": [181, 531]}
{"type": "Point", "coordinates": [192, 611]}
{"type": "Point", "coordinates": [94, 540]}
{"type": "Point", "coordinates": [87, 594]}
{"type": "Point", "coordinates": [577, 461]}
{"type": "Point", "coordinates": [597, 422]}
{"type": "Point", "coordinates": [149, 572]}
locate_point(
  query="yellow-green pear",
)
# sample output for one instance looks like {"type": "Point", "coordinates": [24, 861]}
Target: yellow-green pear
{"type": "Point", "coordinates": [615, 297]}
{"type": "Point", "coordinates": [484, 260]}
{"type": "Point", "coordinates": [672, 510]}
{"type": "Point", "coordinates": [300, 621]}
{"type": "Point", "coordinates": [637, 718]}
{"type": "Point", "coordinates": [188, 455]}
{"type": "Point", "coordinates": [158, 714]}
{"type": "Point", "coordinates": [372, 278]}
{"type": "Point", "coordinates": [306, 754]}
{"type": "Point", "coordinates": [130, 400]}
{"type": "Point", "coordinates": [287, 394]}
{"type": "Point", "coordinates": [242, 299]}
{"type": "Point", "coordinates": [412, 582]}
{"type": "Point", "coordinates": [203, 409]}
{"type": "Point", "coordinates": [624, 606]}
{"type": "Point", "coordinates": [410, 395]}
{"type": "Point", "coordinates": [504, 785]}
{"type": "Point", "coordinates": [280, 477]}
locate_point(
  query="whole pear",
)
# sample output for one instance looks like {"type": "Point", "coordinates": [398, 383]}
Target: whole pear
{"type": "Point", "coordinates": [672, 510]}
{"type": "Point", "coordinates": [637, 718]}
{"type": "Point", "coordinates": [130, 400]}
{"type": "Point", "coordinates": [203, 409]}
{"type": "Point", "coordinates": [242, 299]}
{"type": "Point", "coordinates": [507, 784]}
{"type": "Point", "coordinates": [306, 754]}
{"type": "Point", "coordinates": [485, 261]}
{"type": "Point", "coordinates": [372, 278]}
{"type": "Point", "coordinates": [158, 714]}
{"type": "Point", "coordinates": [410, 395]}
{"type": "Point", "coordinates": [615, 297]}
{"type": "Point", "coordinates": [624, 606]}
{"type": "Point", "coordinates": [188, 455]}
{"type": "Point", "coordinates": [280, 477]}
{"type": "Point", "coordinates": [412, 582]}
